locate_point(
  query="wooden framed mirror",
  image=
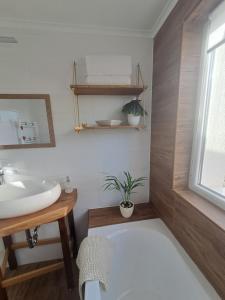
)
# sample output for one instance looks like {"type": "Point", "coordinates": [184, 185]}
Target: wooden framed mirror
{"type": "Point", "coordinates": [26, 121]}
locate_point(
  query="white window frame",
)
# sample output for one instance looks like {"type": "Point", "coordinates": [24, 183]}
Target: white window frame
{"type": "Point", "coordinates": [200, 129]}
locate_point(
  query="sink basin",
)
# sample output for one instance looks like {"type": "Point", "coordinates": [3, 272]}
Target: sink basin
{"type": "Point", "coordinates": [25, 196]}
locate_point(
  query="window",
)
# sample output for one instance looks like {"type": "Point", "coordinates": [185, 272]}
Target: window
{"type": "Point", "coordinates": [207, 176]}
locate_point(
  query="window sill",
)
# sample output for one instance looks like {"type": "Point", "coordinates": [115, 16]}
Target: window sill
{"type": "Point", "coordinates": [213, 213]}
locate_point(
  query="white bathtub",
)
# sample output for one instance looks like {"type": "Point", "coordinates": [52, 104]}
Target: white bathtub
{"type": "Point", "coordinates": [149, 264]}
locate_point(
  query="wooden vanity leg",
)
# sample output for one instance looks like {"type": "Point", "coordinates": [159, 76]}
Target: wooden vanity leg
{"type": "Point", "coordinates": [7, 240]}
{"type": "Point", "coordinates": [66, 253]}
{"type": "Point", "coordinates": [72, 233]}
{"type": "Point", "coordinates": [3, 294]}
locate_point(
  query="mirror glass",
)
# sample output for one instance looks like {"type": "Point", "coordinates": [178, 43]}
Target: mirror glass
{"type": "Point", "coordinates": [25, 121]}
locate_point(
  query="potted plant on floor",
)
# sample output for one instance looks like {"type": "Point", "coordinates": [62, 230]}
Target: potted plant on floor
{"type": "Point", "coordinates": [126, 188]}
{"type": "Point", "coordinates": [134, 111]}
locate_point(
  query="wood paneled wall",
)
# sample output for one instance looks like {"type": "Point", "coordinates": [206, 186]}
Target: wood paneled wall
{"type": "Point", "coordinates": [177, 51]}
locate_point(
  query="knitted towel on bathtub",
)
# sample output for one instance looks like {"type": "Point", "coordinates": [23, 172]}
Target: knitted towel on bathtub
{"type": "Point", "coordinates": [94, 261]}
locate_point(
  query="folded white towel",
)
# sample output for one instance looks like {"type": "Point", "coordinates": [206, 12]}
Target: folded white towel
{"type": "Point", "coordinates": [108, 79]}
{"type": "Point", "coordinates": [108, 65]}
{"type": "Point", "coordinates": [94, 261]}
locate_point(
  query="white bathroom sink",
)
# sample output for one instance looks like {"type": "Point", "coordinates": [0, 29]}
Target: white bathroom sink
{"type": "Point", "coordinates": [25, 196]}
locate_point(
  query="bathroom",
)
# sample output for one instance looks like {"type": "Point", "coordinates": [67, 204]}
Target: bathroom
{"type": "Point", "coordinates": [44, 47]}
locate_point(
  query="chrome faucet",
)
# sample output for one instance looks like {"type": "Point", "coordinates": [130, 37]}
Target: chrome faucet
{"type": "Point", "coordinates": [2, 180]}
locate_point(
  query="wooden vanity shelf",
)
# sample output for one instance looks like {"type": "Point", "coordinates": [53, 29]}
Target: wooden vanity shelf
{"type": "Point", "coordinates": [62, 212]}
{"type": "Point", "coordinates": [126, 90]}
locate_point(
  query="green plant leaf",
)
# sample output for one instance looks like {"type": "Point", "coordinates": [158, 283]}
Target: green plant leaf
{"type": "Point", "coordinates": [125, 187]}
{"type": "Point", "coordinates": [134, 107]}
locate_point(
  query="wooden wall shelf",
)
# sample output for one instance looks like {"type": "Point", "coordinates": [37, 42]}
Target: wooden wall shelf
{"type": "Point", "coordinates": [93, 127]}
{"type": "Point", "coordinates": [131, 90]}
{"type": "Point", "coordinates": [111, 215]}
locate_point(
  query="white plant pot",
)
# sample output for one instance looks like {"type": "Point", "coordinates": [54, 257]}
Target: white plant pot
{"type": "Point", "coordinates": [126, 212]}
{"type": "Point", "coordinates": [133, 120]}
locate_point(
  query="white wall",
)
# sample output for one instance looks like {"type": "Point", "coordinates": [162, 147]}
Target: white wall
{"type": "Point", "coordinates": [42, 63]}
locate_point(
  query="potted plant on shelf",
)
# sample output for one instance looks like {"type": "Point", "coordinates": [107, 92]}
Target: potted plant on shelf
{"type": "Point", "coordinates": [134, 111]}
{"type": "Point", "coordinates": [126, 188]}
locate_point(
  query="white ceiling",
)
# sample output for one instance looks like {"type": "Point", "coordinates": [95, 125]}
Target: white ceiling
{"type": "Point", "coordinates": [137, 15]}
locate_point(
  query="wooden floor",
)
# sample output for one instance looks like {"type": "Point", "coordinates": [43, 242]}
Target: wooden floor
{"type": "Point", "coordinates": [51, 286]}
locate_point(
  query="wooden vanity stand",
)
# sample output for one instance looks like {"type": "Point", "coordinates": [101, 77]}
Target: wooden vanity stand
{"type": "Point", "coordinates": [62, 212]}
